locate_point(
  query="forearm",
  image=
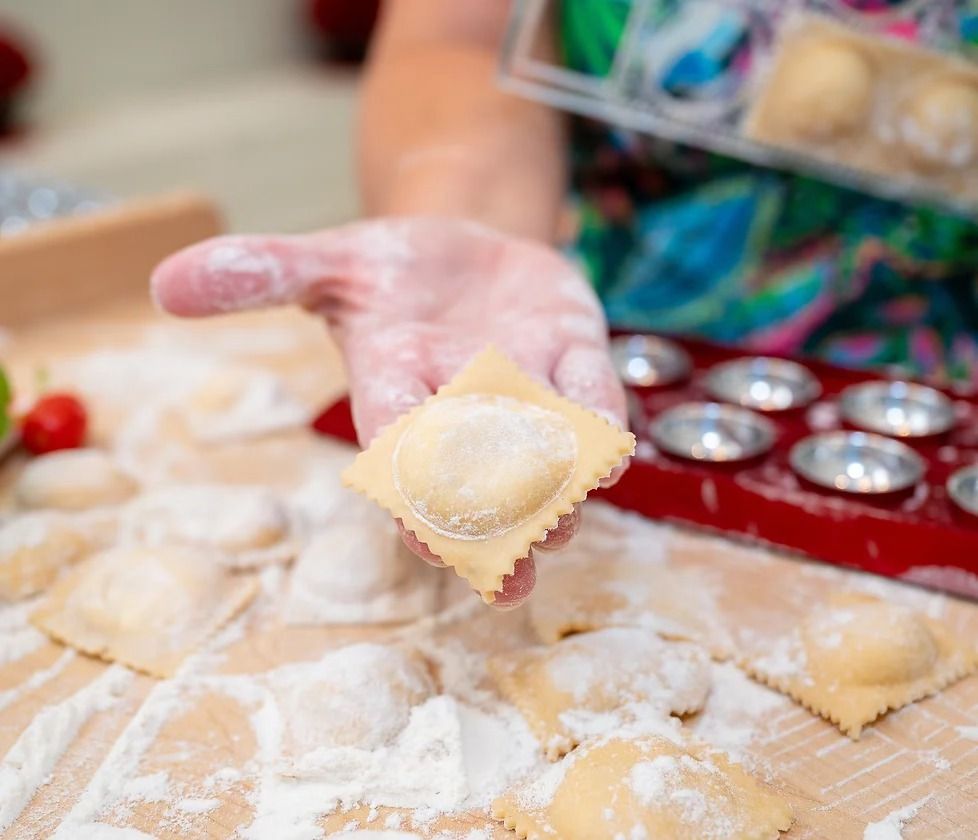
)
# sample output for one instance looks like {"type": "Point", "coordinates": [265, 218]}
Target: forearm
{"type": "Point", "coordinates": [437, 137]}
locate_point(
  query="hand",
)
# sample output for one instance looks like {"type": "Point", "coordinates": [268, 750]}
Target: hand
{"type": "Point", "coordinates": [409, 301]}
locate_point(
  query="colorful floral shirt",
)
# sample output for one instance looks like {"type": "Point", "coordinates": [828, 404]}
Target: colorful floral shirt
{"type": "Point", "coordinates": [680, 240]}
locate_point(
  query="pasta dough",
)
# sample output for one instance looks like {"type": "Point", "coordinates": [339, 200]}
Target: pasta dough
{"type": "Point", "coordinates": [34, 548]}
{"type": "Point", "coordinates": [359, 697]}
{"type": "Point", "coordinates": [358, 571]}
{"type": "Point", "coordinates": [482, 469]}
{"type": "Point", "coordinates": [858, 657]}
{"type": "Point", "coordinates": [73, 479]}
{"type": "Point", "coordinates": [939, 123]}
{"type": "Point", "coordinates": [823, 89]}
{"type": "Point", "coordinates": [239, 404]}
{"type": "Point", "coordinates": [573, 597]}
{"type": "Point", "coordinates": [247, 526]}
{"type": "Point", "coordinates": [644, 787]}
{"type": "Point", "coordinates": [144, 607]}
{"type": "Point", "coordinates": [589, 684]}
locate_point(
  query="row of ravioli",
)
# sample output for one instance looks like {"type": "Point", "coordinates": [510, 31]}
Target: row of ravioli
{"type": "Point", "coordinates": [144, 575]}
{"type": "Point", "coordinates": [623, 655]}
{"type": "Point", "coordinates": [204, 539]}
{"type": "Point", "coordinates": [624, 639]}
{"type": "Point", "coordinates": [622, 658]}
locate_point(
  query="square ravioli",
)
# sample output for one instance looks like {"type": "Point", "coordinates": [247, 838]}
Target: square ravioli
{"type": "Point", "coordinates": [644, 787]}
{"type": "Point", "coordinates": [592, 593]}
{"type": "Point", "coordinates": [486, 466]}
{"type": "Point", "coordinates": [246, 525]}
{"type": "Point", "coordinates": [357, 697]}
{"type": "Point", "coordinates": [34, 548]}
{"type": "Point", "coordinates": [857, 657]}
{"type": "Point", "coordinates": [73, 480]}
{"type": "Point", "coordinates": [148, 608]}
{"type": "Point", "coordinates": [354, 574]}
{"type": "Point", "coordinates": [587, 685]}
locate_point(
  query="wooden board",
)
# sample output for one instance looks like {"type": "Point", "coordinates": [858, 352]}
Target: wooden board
{"type": "Point", "coordinates": [80, 261]}
{"type": "Point", "coordinates": [836, 786]}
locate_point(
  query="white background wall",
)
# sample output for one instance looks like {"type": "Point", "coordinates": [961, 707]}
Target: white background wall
{"type": "Point", "coordinates": [101, 52]}
{"type": "Point", "coordinates": [142, 96]}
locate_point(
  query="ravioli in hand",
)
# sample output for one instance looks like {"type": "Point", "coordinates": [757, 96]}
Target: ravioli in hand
{"type": "Point", "coordinates": [485, 467]}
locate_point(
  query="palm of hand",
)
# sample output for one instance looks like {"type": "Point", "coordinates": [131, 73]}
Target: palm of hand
{"type": "Point", "coordinates": [410, 301]}
{"type": "Point", "coordinates": [427, 295]}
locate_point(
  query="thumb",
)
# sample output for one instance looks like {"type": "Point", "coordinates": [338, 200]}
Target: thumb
{"type": "Point", "coordinates": [386, 379]}
{"type": "Point", "coordinates": [232, 273]}
{"type": "Point", "coordinates": [584, 374]}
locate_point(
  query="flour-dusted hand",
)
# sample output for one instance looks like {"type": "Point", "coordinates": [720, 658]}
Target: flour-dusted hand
{"type": "Point", "coordinates": [409, 301]}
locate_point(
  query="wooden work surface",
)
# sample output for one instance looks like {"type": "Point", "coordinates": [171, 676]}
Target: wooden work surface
{"type": "Point", "coordinates": [835, 785]}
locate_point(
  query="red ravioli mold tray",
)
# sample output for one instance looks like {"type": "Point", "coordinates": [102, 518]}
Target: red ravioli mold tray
{"type": "Point", "coordinates": [919, 535]}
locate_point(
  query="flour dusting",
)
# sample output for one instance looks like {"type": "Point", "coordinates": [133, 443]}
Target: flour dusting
{"type": "Point", "coordinates": [29, 762]}
{"type": "Point", "coordinates": [891, 826]}
{"type": "Point", "coordinates": [375, 717]}
{"type": "Point", "coordinates": [737, 712]}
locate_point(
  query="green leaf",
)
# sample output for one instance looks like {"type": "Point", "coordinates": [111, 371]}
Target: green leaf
{"type": "Point", "coordinates": [5, 398]}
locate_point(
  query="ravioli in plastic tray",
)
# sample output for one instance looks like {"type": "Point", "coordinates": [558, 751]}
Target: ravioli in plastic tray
{"type": "Point", "coordinates": [841, 465]}
{"type": "Point", "coordinates": [878, 95]}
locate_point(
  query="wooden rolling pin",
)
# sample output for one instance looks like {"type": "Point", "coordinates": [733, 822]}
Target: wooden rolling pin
{"type": "Point", "coordinates": [72, 263]}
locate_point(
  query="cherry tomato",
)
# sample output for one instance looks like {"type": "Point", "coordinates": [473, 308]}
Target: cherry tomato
{"type": "Point", "coordinates": [57, 421]}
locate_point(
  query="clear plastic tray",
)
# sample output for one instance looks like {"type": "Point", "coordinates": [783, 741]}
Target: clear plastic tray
{"type": "Point", "coordinates": [633, 90]}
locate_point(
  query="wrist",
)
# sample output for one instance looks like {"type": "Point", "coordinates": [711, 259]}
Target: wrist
{"type": "Point", "coordinates": [453, 181]}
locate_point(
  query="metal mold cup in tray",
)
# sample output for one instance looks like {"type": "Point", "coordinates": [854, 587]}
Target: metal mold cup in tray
{"type": "Point", "coordinates": [763, 384]}
{"type": "Point", "coordinates": [647, 361]}
{"type": "Point", "coordinates": [712, 432]}
{"type": "Point", "coordinates": [962, 489]}
{"type": "Point", "coordinates": [857, 462]}
{"type": "Point", "coordinates": [794, 479]}
{"type": "Point", "coordinates": [898, 409]}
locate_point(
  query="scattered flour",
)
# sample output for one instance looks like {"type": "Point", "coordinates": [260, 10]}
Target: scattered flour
{"type": "Point", "coordinates": [167, 698]}
{"type": "Point", "coordinates": [497, 749]}
{"type": "Point", "coordinates": [151, 788]}
{"type": "Point", "coordinates": [242, 405]}
{"type": "Point", "coordinates": [679, 783]}
{"type": "Point", "coordinates": [321, 498]}
{"type": "Point", "coordinates": [737, 711]}
{"type": "Point", "coordinates": [357, 571]}
{"type": "Point", "coordinates": [28, 763]}
{"type": "Point", "coordinates": [191, 805]}
{"type": "Point", "coordinates": [137, 375]}
{"type": "Point", "coordinates": [449, 755]}
{"type": "Point", "coordinates": [451, 751]}
{"type": "Point", "coordinates": [36, 680]}
{"type": "Point", "coordinates": [890, 827]}
{"type": "Point", "coordinates": [103, 831]}
{"type": "Point", "coordinates": [107, 785]}
{"type": "Point", "coordinates": [786, 658]}
{"type": "Point", "coordinates": [539, 792]}
{"type": "Point", "coordinates": [17, 639]}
